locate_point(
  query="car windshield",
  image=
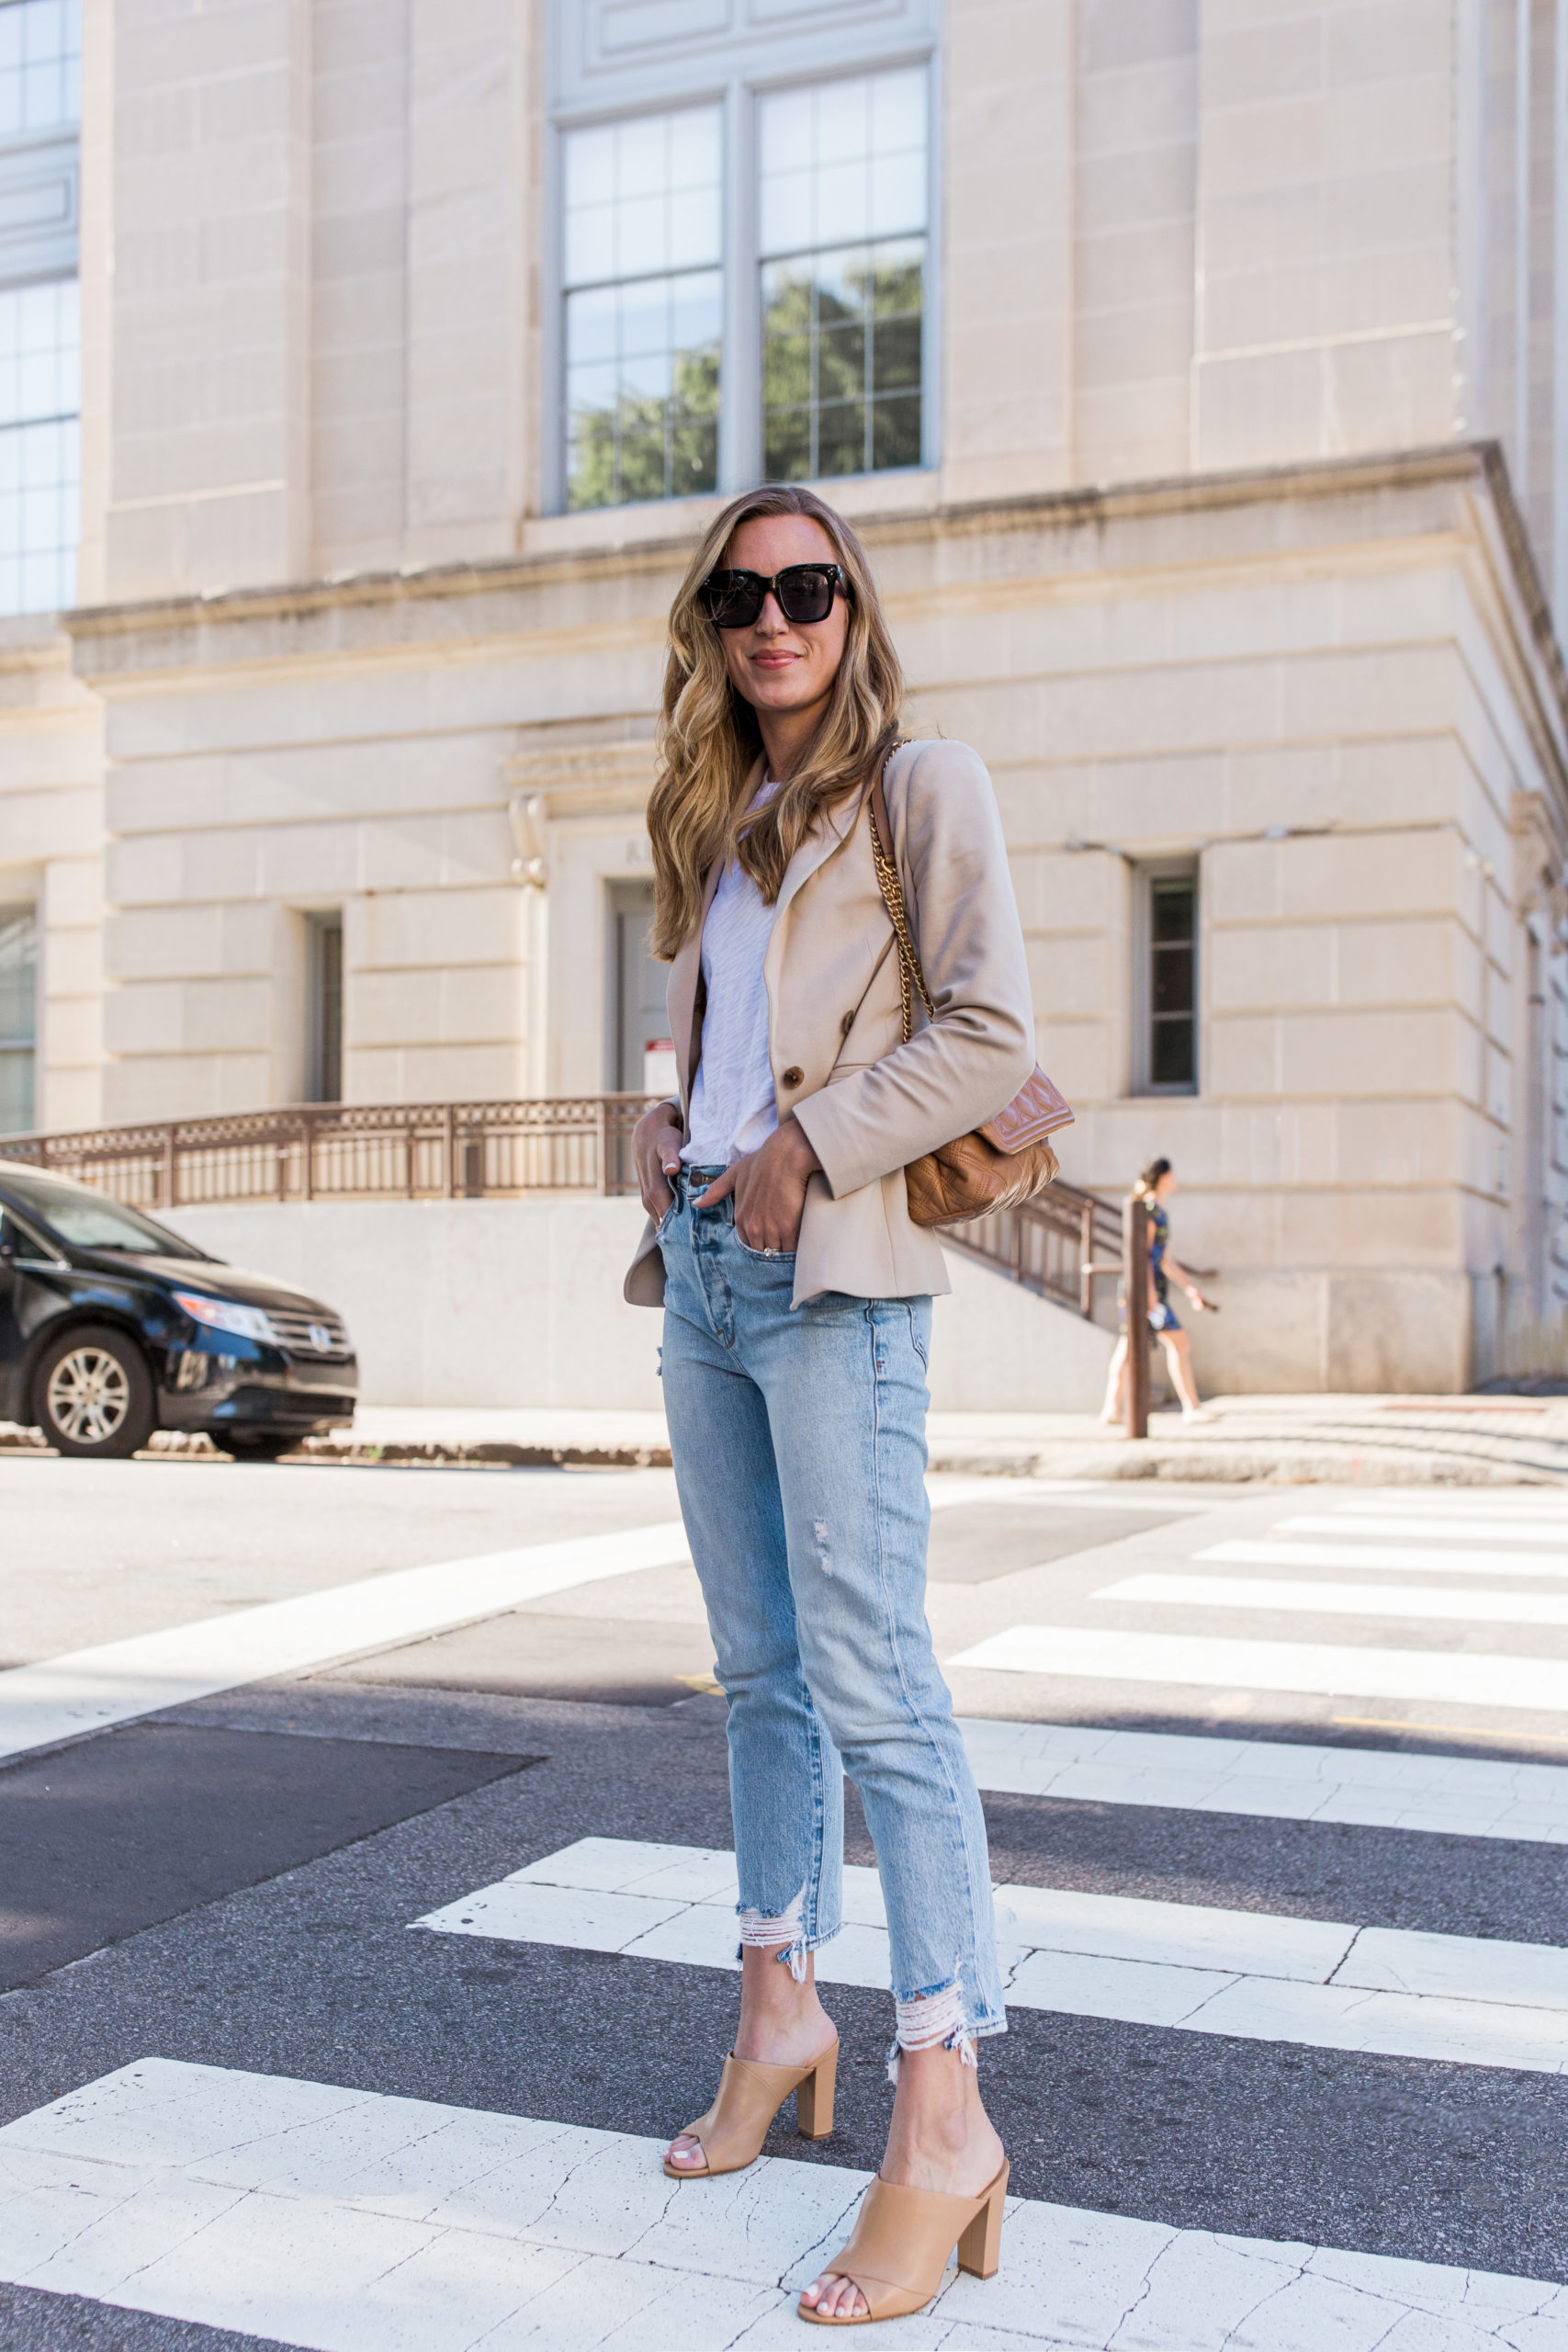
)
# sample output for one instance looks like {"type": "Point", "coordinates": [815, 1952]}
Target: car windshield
{"type": "Point", "coordinates": [91, 1221]}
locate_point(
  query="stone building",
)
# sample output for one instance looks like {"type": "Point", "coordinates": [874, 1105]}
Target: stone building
{"type": "Point", "coordinates": [1194, 370]}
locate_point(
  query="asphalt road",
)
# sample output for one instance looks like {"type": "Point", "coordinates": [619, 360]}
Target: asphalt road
{"type": "Point", "coordinates": [233, 1883]}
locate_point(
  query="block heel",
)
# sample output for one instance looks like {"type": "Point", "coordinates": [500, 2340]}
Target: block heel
{"type": "Point", "coordinates": [980, 2247]}
{"type": "Point", "coordinates": [814, 2098]}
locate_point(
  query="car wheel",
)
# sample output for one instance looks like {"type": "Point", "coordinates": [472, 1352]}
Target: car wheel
{"type": "Point", "coordinates": [93, 1394]}
{"type": "Point", "coordinates": [267, 1446]}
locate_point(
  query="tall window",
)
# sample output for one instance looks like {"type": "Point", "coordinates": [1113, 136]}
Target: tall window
{"type": "Point", "coordinates": [842, 221]}
{"type": "Point", "coordinates": [324, 999]}
{"type": "Point", "coordinates": [644, 299]}
{"type": "Point", "coordinates": [1167, 930]}
{"type": "Point", "coordinates": [829, 237]}
{"type": "Point", "coordinates": [19, 995]}
{"type": "Point", "coordinates": [41, 46]}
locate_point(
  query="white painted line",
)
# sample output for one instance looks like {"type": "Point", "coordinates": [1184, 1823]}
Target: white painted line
{"type": "Point", "coordinates": [1422, 1602]}
{"type": "Point", "coordinates": [1466, 1999]}
{"type": "Point", "coordinates": [1282, 1780]}
{"type": "Point", "coordinates": [1419, 1559]}
{"type": "Point", "coordinates": [87, 1689]}
{"type": "Point", "coordinates": [946, 1488]}
{"type": "Point", "coordinates": [1447, 1531]}
{"type": "Point", "coordinates": [1210, 1662]}
{"type": "Point", "coordinates": [346, 2222]}
{"type": "Point", "coordinates": [1457, 1502]}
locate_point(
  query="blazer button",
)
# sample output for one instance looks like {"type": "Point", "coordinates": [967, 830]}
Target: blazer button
{"type": "Point", "coordinates": [791, 1076]}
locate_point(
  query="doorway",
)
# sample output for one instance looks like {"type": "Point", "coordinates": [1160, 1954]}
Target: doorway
{"type": "Point", "coordinates": [641, 1055]}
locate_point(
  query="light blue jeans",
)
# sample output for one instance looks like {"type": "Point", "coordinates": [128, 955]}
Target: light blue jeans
{"type": "Point", "coordinates": [798, 1439]}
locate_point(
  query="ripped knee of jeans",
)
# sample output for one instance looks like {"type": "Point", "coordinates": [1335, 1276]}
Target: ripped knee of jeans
{"type": "Point", "coordinates": [932, 2021]}
{"type": "Point", "coordinates": [784, 1928]}
{"type": "Point", "coordinates": [824, 1554]}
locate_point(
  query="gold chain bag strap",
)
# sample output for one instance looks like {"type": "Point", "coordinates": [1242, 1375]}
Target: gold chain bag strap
{"type": "Point", "coordinates": [1006, 1161]}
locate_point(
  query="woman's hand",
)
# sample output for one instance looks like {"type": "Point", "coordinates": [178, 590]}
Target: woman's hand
{"type": "Point", "coordinates": [656, 1149]}
{"type": "Point", "coordinates": [769, 1186]}
{"type": "Point", "coordinates": [1200, 1303]}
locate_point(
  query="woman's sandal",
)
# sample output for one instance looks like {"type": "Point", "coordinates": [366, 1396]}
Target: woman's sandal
{"type": "Point", "coordinates": [902, 2239]}
{"type": "Point", "coordinates": [750, 2094]}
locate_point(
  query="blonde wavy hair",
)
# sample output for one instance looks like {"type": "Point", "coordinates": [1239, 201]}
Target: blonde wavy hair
{"type": "Point", "coordinates": [708, 740]}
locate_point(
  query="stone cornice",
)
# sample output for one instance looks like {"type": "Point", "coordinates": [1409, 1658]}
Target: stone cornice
{"type": "Point", "coordinates": [205, 631]}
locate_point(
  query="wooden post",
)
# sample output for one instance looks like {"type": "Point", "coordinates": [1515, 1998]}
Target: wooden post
{"type": "Point", "coordinates": [1136, 1281]}
{"type": "Point", "coordinates": [1086, 1259]}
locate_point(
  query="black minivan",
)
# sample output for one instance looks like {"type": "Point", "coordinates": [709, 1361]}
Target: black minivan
{"type": "Point", "coordinates": [112, 1327]}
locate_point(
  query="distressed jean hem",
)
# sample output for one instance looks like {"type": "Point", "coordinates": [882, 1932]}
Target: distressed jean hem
{"type": "Point", "coordinates": [793, 1954]}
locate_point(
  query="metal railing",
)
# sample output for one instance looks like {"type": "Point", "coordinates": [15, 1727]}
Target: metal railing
{"type": "Point", "coordinates": [323, 1151]}
{"type": "Point", "coordinates": [1056, 1245]}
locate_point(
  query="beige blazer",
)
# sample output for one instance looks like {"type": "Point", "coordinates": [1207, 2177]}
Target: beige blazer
{"type": "Point", "coordinates": [869, 1102]}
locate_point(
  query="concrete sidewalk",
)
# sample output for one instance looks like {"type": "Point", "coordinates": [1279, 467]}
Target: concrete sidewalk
{"type": "Point", "coordinates": [1425, 1440]}
{"type": "Point", "coordinates": [1342, 1441]}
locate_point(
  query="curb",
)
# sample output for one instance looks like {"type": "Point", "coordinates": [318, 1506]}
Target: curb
{"type": "Point", "coordinates": [1358, 1464]}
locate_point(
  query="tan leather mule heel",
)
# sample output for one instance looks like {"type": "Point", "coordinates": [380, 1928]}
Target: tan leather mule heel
{"type": "Point", "coordinates": [902, 2239]}
{"type": "Point", "coordinates": [750, 2094]}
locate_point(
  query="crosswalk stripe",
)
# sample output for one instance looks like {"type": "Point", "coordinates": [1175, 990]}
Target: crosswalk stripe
{"type": "Point", "coordinates": [1288, 1781]}
{"type": "Point", "coordinates": [88, 1689]}
{"type": "Point", "coordinates": [1521, 1531]}
{"type": "Point", "coordinates": [345, 2221]}
{"type": "Point", "coordinates": [1419, 1559]}
{"type": "Point", "coordinates": [1456, 1502]}
{"type": "Point", "coordinates": [1328, 1670]}
{"type": "Point", "coordinates": [1466, 1999]}
{"type": "Point", "coordinates": [1423, 1603]}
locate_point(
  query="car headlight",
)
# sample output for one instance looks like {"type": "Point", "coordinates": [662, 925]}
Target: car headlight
{"type": "Point", "coordinates": [225, 1314]}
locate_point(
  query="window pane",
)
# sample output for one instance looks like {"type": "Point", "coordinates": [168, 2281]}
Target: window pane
{"type": "Point", "coordinates": [15, 1092]}
{"type": "Point", "coordinates": [643, 325]}
{"type": "Point", "coordinates": [842, 318]}
{"type": "Point", "coordinates": [40, 444]}
{"type": "Point", "coordinates": [18, 988]}
{"type": "Point", "coordinates": [40, 56]}
{"type": "Point", "coordinates": [1170, 906]}
{"type": "Point", "coordinates": [1172, 1061]}
{"type": "Point", "coordinates": [642, 196]}
{"type": "Point", "coordinates": [643, 422]}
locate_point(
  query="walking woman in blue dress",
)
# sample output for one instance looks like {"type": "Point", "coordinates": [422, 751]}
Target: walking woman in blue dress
{"type": "Point", "coordinates": [1154, 1188]}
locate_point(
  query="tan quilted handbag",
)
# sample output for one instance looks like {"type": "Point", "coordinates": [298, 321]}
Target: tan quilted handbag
{"type": "Point", "coordinates": [1006, 1161]}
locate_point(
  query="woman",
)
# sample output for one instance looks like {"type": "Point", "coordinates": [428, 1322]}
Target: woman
{"type": "Point", "coordinates": [1154, 1186]}
{"type": "Point", "coordinates": [797, 1297]}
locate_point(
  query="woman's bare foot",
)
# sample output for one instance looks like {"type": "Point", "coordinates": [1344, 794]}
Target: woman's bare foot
{"type": "Point", "coordinates": [941, 2138]}
{"type": "Point", "coordinates": [782, 2024]}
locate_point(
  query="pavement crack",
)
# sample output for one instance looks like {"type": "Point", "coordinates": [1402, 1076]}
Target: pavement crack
{"type": "Point", "coordinates": [1145, 2288]}
{"type": "Point", "coordinates": [1279, 2287]}
{"type": "Point", "coordinates": [1345, 1958]}
{"type": "Point", "coordinates": [1215, 1994]}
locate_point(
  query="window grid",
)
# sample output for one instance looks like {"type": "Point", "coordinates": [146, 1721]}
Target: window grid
{"type": "Point", "coordinates": [644, 307]}
{"type": "Point", "coordinates": [40, 65]}
{"type": "Point", "coordinates": [843, 192]}
{"type": "Point", "coordinates": [1173, 1002]}
{"type": "Point", "coordinates": [18, 998]}
{"type": "Point", "coordinates": [41, 462]}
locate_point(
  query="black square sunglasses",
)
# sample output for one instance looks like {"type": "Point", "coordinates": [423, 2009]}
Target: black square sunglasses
{"type": "Point", "coordinates": [805, 592]}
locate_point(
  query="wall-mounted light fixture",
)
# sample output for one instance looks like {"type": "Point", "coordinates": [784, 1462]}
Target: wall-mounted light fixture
{"type": "Point", "coordinates": [526, 813]}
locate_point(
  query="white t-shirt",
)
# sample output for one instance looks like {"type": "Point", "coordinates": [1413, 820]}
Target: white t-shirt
{"type": "Point", "coordinates": [733, 1105]}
